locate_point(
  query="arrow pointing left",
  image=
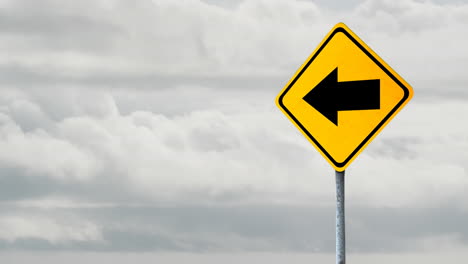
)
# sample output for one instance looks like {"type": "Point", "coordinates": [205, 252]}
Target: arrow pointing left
{"type": "Point", "coordinates": [330, 96]}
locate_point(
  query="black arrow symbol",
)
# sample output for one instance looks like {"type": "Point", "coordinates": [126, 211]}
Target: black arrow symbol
{"type": "Point", "coordinates": [330, 96]}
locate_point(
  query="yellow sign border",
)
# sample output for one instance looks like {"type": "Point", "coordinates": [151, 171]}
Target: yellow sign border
{"type": "Point", "coordinates": [408, 94]}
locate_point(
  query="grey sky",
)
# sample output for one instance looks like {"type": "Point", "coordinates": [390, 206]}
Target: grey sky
{"type": "Point", "coordinates": [149, 128]}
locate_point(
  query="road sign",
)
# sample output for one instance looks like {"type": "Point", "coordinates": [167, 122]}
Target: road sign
{"type": "Point", "coordinates": [343, 96]}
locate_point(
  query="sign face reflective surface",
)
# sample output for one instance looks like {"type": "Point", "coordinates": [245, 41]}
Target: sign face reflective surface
{"type": "Point", "coordinates": [343, 96]}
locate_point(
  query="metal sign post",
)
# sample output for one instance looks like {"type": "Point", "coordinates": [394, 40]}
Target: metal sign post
{"type": "Point", "coordinates": [340, 218]}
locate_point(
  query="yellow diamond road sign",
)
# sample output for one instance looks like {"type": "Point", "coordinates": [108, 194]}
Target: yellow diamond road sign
{"type": "Point", "coordinates": [343, 96]}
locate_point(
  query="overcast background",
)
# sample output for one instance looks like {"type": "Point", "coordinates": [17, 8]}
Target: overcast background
{"type": "Point", "coordinates": [142, 131]}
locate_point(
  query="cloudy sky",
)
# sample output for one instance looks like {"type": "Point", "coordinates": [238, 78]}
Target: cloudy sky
{"type": "Point", "coordinates": [147, 130]}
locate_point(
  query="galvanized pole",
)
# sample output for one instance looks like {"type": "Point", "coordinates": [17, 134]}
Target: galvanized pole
{"type": "Point", "coordinates": [340, 218]}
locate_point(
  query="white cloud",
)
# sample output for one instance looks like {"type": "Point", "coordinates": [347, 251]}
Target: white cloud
{"type": "Point", "coordinates": [171, 102]}
{"type": "Point", "coordinates": [39, 153]}
{"type": "Point", "coordinates": [254, 38]}
{"type": "Point", "coordinates": [53, 230]}
{"type": "Point", "coordinates": [256, 153]}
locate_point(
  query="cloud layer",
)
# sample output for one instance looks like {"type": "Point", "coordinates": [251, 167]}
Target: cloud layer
{"type": "Point", "coordinates": [152, 126]}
